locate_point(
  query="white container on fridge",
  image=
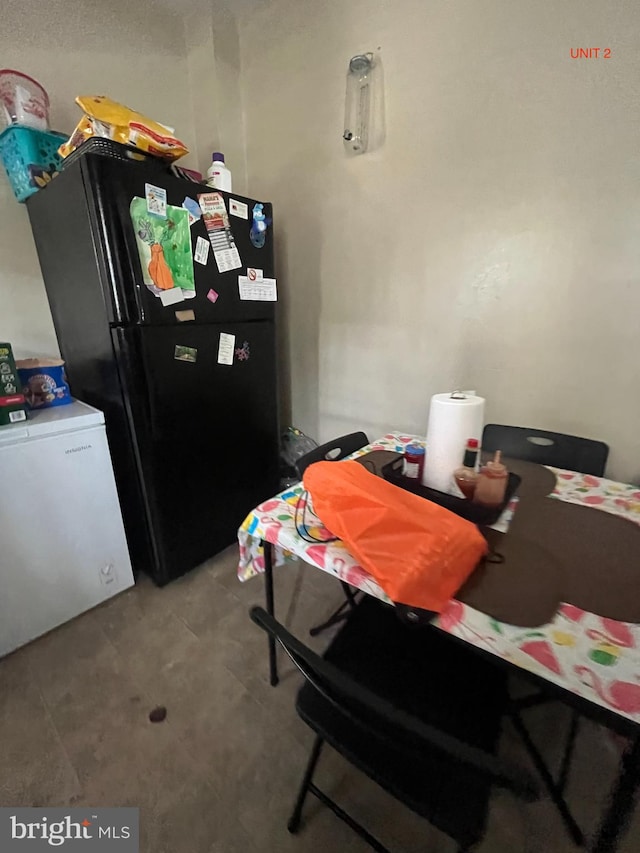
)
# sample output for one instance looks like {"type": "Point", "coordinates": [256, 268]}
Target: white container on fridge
{"type": "Point", "coordinates": [23, 100]}
{"type": "Point", "coordinates": [62, 543]}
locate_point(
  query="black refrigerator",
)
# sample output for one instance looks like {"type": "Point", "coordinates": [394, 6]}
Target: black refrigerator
{"type": "Point", "coordinates": [188, 385]}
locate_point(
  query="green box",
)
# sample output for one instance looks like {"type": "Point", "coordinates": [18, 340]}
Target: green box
{"type": "Point", "coordinates": [12, 404]}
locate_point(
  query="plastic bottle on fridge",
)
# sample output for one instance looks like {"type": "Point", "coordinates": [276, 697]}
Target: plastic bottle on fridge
{"type": "Point", "coordinates": [218, 176]}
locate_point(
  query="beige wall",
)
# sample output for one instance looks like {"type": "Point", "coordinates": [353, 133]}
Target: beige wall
{"type": "Point", "coordinates": [114, 47]}
{"type": "Point", "coordinates": [213, 59]}
{"type": "Point", "coordinates": [493, 243]}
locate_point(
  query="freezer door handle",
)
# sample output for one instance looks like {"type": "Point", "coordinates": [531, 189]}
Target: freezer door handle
{"type": "Point", "coordinates": [133, 371]}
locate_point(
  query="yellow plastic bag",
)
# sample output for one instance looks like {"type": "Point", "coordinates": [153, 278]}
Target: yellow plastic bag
{"type": "Point", "coordinates": [111, 120]}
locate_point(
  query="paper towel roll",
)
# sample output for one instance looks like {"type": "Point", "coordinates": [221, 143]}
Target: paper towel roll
{"type": "Point", "coordinates": [453, 419]}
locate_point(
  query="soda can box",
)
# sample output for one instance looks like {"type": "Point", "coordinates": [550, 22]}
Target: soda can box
{"type": "Point", "coordinates": [12, 402]}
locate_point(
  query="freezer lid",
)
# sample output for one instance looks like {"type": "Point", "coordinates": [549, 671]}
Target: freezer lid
{"type": "Point", "coordinates": [56, 420]}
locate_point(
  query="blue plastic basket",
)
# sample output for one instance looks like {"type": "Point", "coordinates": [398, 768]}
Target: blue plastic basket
{"type": "Point", "coordinates": [30, 158]}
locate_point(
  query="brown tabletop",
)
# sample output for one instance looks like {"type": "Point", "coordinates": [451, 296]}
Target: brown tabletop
{"type": "Point", "coordinates": [554, 552]}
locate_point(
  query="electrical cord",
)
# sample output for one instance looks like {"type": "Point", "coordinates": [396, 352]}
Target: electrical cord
{"type": "Point", "coordinates": [302, 528]}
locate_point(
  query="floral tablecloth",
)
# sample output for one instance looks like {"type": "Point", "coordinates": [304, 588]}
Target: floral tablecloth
{"type": "Point", "coordinates": [591, 656]}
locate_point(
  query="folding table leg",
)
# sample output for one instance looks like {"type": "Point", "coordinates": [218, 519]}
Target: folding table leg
{"type": "Point", "coordinates": [268, 590]}
{"type": "Point", "coordinates": [551, 786]}
{"type": "Point", "coordinates": [621, 803]}
{"type": "Point", "coordinates": [568, 751]}
{"type": "Point", "coordinates": [339, 615]}
{"type": "Point", "coordinates": [351, 597]}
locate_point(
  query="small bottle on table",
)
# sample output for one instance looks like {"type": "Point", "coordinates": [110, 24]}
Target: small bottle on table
{"type": "Point", "coordinates": [414, 462]}
{"type": "Point", "coordinates": [466, 476]}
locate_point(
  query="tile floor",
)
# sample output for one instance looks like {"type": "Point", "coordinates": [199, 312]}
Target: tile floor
{"type": "Point", "coordinates": [220, 773]}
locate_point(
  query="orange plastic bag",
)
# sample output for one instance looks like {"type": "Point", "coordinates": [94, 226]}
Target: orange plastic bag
{"type": "Point", "coordinates": [419, 552]}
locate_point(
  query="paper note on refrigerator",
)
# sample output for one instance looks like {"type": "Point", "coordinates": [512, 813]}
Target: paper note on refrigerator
{"type": "Point", "coordinates": [225, 348]}
{"type": "Point", "coordinates": [170, 297]}
{"type": "Point", "coordinates": [257, 291]}
{"type": "Point", "coordinates": [156, 200]}
{"type": "Point", "coordinates": [216, 220]}
{"type": "Point", "coordinates": [201, 254]}
{"type": "Point", "coordinates": [227, 259]}
{"type": "Point", "coordinates": [238, 208]}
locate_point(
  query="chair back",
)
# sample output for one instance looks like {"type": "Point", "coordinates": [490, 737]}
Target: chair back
{"type": "Point", "coordinates": [331, 451]}
{"type": "Point", "coordinates": [547, 448]}
{"type": "Point", "coordinates": [376, 717]}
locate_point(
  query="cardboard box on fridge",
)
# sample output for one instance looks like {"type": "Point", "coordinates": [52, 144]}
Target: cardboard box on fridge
{"type": "Point", "coordinates": [12, 402]}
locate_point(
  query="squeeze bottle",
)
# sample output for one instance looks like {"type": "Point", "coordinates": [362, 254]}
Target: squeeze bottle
{"type": "Point", "coordinates": [218, 176]}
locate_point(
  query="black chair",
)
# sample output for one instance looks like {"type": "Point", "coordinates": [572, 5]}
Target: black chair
{"type": "Point", "coordinates": [332, 451]}
{"type": "Point", "coordinates": [574, 454]}
{"type": "Point", "coordinates": [411, 709]}
{"type": "Point", "coordinates": [547, 448]}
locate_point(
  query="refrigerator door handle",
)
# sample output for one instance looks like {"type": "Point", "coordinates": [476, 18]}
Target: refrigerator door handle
{"type": "Point", "coordinates": [130, 358]}
{"type": "Point", "coordinates": [114, 244]}
{"type": "Point", "coordinates": [133, 258]}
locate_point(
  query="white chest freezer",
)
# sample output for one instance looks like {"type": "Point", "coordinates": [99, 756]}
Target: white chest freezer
{"type": "Point", "coordinates": [62, 543]}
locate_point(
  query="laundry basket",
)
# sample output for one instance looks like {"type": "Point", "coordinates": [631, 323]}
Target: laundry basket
{"type": "Point", "coordinates": [30, 158]}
